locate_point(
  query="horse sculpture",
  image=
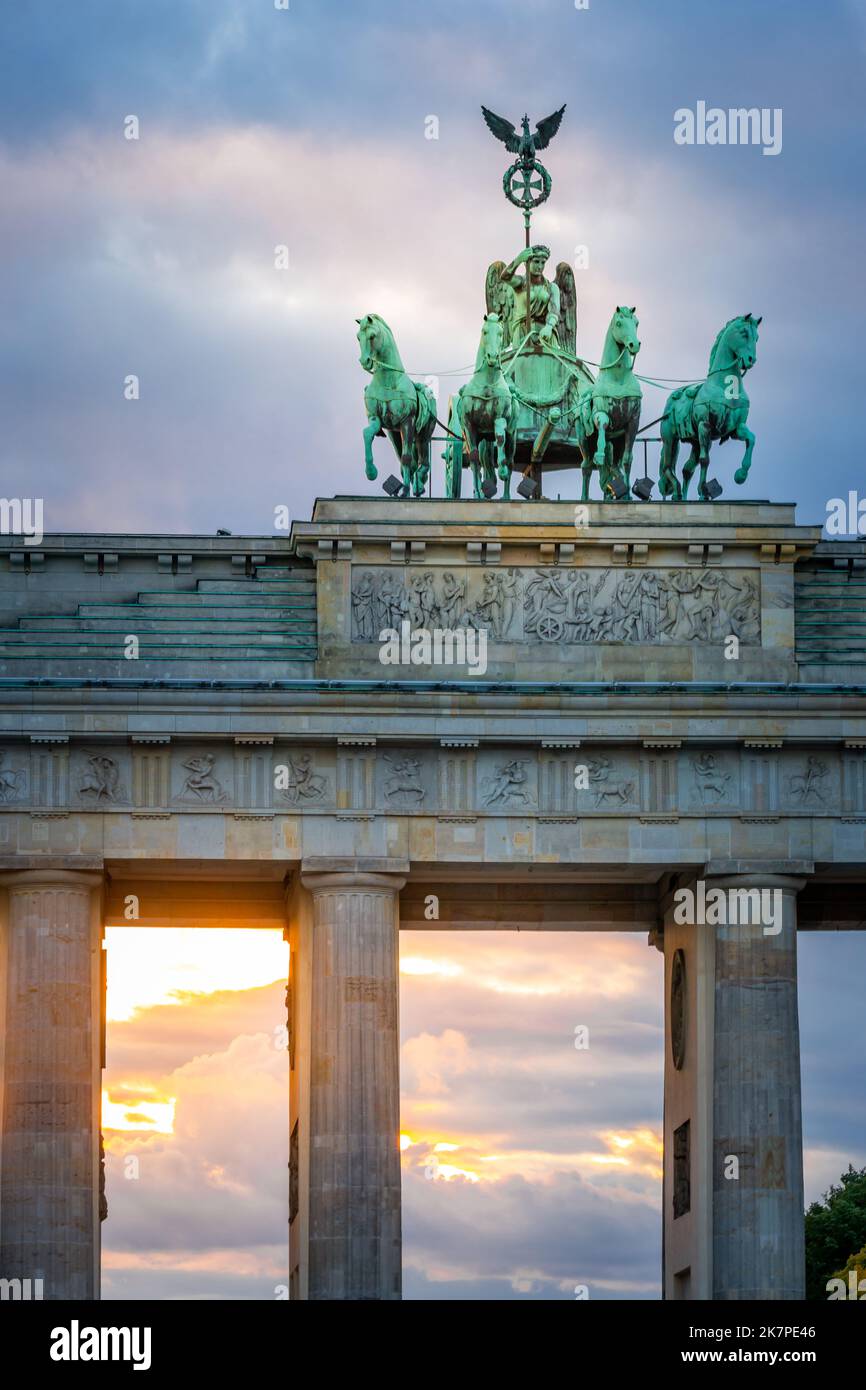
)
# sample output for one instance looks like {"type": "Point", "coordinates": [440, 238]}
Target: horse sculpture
{"type": "Point", "coordinates": [396, 405]}
{"type": "Point", "coordinates": [713, 409]}
{"type": "Point", "coordinates": [609, 410]}
{"type": "Point", "coordinates": [486, 414]}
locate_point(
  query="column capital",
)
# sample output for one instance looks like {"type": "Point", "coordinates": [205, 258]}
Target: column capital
{"type": "Point", "coordinates": [349, 881]}
{"type": "Point", "coordinates": [323, 873]}
{"type": "Point", "coordinates": [766, 872]}
{"type": "Point", "coordinates": [29, 879]}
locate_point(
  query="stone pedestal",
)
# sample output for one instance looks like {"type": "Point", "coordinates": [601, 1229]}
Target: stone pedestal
{"type": "Point", "coordinates": [733, 1191]}
{"type": "Point", "coordinates": [354, 1245]}
{"type": "Point", "coordinates": [49, 1181]}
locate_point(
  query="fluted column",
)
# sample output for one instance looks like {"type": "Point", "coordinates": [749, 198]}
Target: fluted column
{"type": "Point", "coordinates": [758, 1240]}
{"type": "Point", "coordinates": [354, 1165]}
{"type": "Point", "coordinates": [49, 1179]}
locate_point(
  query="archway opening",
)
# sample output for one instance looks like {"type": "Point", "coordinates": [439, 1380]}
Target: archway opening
{"type": "Point", "coordinates": [194, 1114]}
{"type": "Point", "coordinates": [531, 1115]}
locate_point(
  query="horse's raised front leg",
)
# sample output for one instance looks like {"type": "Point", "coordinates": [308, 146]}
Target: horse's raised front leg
{"type": "Point", "coordinates": [742, 472]}
{"type": "Point", "coordinates": [374, 427]}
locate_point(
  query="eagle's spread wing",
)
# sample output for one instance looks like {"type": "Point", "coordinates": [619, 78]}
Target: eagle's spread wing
{"type": "Point", "coordinates": [504, 130]}
{"type": "Point", "coordinates": [546, 129]}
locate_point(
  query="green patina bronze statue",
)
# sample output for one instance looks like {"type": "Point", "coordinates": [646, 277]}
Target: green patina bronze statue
{"type": "Point", "coordinates": [396, 405]}
{"type": "Point", "coordinates": [551, 314]}
{"type": "Point", "coordinates": [609, 410]}
{"type": "Point", "coordinates": [532, 404]}
{"type": "Point", "coordinates": [485, 414]}
{"type": "Point", "coordinates": [716, 408]}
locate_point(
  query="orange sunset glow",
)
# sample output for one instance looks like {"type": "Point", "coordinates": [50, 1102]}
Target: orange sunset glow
{"type": "Point", "coordinates": [506, 1128]}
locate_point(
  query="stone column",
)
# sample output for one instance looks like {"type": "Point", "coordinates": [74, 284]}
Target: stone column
{"type": "Point", "coordinates": [758, 1243]}
{"type": "Point", "coordinates": [49, 1180]}
{"type": "Point", "coordinates": [354, 1248]}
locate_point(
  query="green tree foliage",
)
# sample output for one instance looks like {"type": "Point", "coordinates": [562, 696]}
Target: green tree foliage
{"type": "Point", "coordinates": [857, 1262]}
{"type": "Point", "coordinates": [835, 1227]}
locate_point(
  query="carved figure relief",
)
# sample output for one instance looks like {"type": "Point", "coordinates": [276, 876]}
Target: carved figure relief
{"type": "Point", "coordinates": [404, 786]}
{"type": "Point", "coordinates": [101, 781]}
{"type": "Point", "coordinates": [304, 783]}
{"type": "Point", "coordinates": [604, 786]}
{"type": "Point", "coordinates": [810, 783]}
{"type": "Point", "coordinates": [647, 606]}
{"type": "Point", "coordinates": [11, 781]}
{"type": "Point", "coordinates": [711, 781]}
{"type": "Point", "coordinates": [201, 783]}
{"type": "Point", "coordinates": [561, 604]}
{"type": "Point", "coordinates": [508, 785]}
{"type": "Point", "coordinates": [433, 599]}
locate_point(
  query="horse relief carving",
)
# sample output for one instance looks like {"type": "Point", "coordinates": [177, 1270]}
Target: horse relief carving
{"type": "Point", "coordinates": [711, 781]}
{"type": "Point", "coordinates": [508, 786]}
{"type": "Point", "coordinates": [101, 780]}
{"type": "Point", "coordinates": [648, 606]}
{"type": "Point", "coordinates": [616, 790]}
{"type": "Point", "coordinates": [302, 782]}
{"type": "Point", "coordinates": [403, 786]}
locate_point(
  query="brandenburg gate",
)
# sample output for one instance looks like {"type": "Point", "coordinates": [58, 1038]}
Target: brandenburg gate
{"type": "Point", "coordinates": [667, 709]}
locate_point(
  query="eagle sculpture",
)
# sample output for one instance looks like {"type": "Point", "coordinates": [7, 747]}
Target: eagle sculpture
{"type": "Point", "coordinates": [525, 144]}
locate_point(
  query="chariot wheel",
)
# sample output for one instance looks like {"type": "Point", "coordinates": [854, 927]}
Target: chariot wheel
{"type": "Point", "coordinates": [549, 629]}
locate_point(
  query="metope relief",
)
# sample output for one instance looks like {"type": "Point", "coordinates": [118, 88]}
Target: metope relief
{"type": "Point", "coordinates": [98, 782]}
{"type": "Point", "coordinates": [560, 605]}
{"type": "Point", "coordinates": [299, 782]}
{"type": "Point", "coordinates": [510, 786]}
{"type": "Point", "coordinates": [200, 784]}
{"type": "Point", "coordinates": [402, 782]}
{"type": "Point", "coordinates": [714, 780]}
{"type": "Point", "coordinates": [13, 780]}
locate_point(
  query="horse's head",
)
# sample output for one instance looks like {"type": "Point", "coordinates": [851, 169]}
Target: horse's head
{"type": "Point", "coordinates": [623, 326]}
{"type": "Point", "coordinates": [490, 347]}
{"type": "Point", "coordinates": [376, 341]}
{"type": "Point", "coordinates": [736, 347]}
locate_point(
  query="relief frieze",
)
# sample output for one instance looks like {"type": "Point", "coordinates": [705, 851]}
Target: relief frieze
{"type": "Point", "coordinates": [560, 605]}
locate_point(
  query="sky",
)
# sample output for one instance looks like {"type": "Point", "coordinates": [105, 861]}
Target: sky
{"type": "Point", "coordinates": [306, 128]}
{"type": "Point", "coordinates": [529, 1166]}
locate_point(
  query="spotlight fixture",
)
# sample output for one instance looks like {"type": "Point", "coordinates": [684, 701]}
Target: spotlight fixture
{"type": "Point", "coordinates": [489, 488]}
{"type": "Point", "coordinates": [393, 486]}
{"type": "Point", "coordinates": [618, 488]}
{"type": "Point", "coordinates": [643, 489]}
{"type": "Point", "coordinates": [528, 488]}
{"type": "Point", "coordinates": [713, 490]}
